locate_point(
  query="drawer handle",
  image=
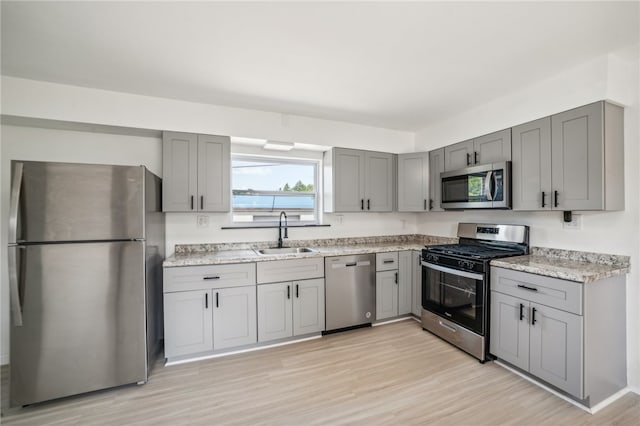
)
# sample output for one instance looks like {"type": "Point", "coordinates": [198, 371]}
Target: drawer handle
{"type": "Point", "coordinates": [527, 288]}
{"type": "Point", "coordinates": [211, 278]}
{"type": "Point", "coordinates": [387, 261]}
{"type": "Point", "coordinates": [448, 327]}
{"type": "Point", "coordinates": [351, 264]}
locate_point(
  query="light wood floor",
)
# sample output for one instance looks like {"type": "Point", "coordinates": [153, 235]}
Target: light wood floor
{"type": "Point", "coordinates": [395, 374]}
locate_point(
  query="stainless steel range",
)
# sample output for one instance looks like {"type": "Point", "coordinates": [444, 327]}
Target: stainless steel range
{"type": "Point", "coordinates": [455, 283]}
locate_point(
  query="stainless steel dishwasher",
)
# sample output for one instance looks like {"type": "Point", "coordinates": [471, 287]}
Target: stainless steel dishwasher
{"type": "Point", "coordinates": [350, 291]}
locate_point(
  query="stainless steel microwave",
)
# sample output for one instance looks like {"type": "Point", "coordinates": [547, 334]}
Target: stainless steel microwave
{"type": "Point", "coordinates": [487, 186]}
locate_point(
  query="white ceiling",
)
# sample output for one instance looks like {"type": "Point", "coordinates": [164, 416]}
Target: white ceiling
{"type": "Point", "coordinates": [395, 65]}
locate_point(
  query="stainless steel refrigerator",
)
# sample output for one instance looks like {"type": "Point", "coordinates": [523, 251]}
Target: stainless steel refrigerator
{"type": "Point", "coordinates": [86, 244]}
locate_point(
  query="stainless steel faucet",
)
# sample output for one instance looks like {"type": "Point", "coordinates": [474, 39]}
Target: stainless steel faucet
{"type": "Point", "coordinates": [286, 234]}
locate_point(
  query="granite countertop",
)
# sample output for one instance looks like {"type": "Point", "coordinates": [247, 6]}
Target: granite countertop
{"type": "Point", "coordinates": [583, 267]}
{"type": "Point", "coordinates": [216, 254]}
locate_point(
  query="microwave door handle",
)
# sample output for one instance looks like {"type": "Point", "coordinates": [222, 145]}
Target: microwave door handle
{"type": "Point", "coordinates": [495, 186]}
{"type": "Point", "coordinates": [487, 185]}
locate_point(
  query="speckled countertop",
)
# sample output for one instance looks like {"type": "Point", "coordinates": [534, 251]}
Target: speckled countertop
{"type": "Point", "coordinates": [216, 254]}
{"type": "Point", "coordinates": [579, 266]}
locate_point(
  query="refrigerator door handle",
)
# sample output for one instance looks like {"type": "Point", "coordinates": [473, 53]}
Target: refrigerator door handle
{"type": "Point", "coordinates": [16, 304]}
{"type": "Point", "coordinates": [14, 202]}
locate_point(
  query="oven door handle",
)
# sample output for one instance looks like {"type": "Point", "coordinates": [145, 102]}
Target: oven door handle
{"type": "Point", "coordinates": [452, 271]}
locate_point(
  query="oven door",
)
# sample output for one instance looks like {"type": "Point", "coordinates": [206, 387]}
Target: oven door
{"type": "Point", "coordinates": [456, 295]}
{"type": "Point", "coordinates": [485, 186]}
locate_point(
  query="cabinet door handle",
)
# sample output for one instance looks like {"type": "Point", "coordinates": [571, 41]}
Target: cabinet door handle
{"type": "Point", "coordinates": [202, 202]}
{"type": "Point", "coordinates": [430, 204]}
{"type": "Point", "coordinates": [555, 196]}
{"type": "Point", "coordinates": [533, 316]}
{"type": "Point", "coordinates": [521, 312]}
{"type": "Point", "coordinates": [543, 195]}
{"type": "Point", "coordinates": [527, 288]}
{"type": "Point", "coordinates": [217, 299]}
{"type": "Point", "coordinates": [425, 204]}
{"type": "Point", "coordinates": [369, 204]}
{"type": "Point", "coordinates": [468, 159]}
{"type": "Point", "coordinates": [396, 278]}
{"type": "Point", "coordinates": [297, 291]}
{"type": "Point", "coordinates": [288, 292]}
{"type": "Point", "coordinates": [192, 202]}
{"type": "Point", "coordinates": [475, 157]}
{"type": "Point", "coordinates": [362, 204]}
{"type": "Point", "coordinates": [206, 300]}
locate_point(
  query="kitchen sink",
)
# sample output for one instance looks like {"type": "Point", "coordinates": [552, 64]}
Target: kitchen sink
{"type": "Point", "coordinates": [284, 250]}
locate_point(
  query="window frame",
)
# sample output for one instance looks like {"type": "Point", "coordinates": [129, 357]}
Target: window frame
{"type": "Point", "coordinates": [317, 166]}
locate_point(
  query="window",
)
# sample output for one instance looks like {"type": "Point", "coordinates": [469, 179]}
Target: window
{"type": "Point", "coordinates": [263, 187]}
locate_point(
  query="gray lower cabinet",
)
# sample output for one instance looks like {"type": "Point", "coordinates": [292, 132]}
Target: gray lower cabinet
{"type": "Point", "coordinates": [290, 309]}
{"type": "Point", "coordinates": [541, 340]}
{"type": "Point", "coordinates": [357, 181]}
{"type": "Point", "coordinates": [405, 296]}
{"type": "Point", "coordinates": [209, 308]}
{"type": "Point", "coordinates": [416, 283]}
{"type": "Point", "coordinates": [386, 294]}
{"type": "Point", "coordinates": [436, 166]}
{"type": "Point", "coordinates": [206, 320]}
{"type": "Point", "coordinates": [570, 161]}
{"type": "Point", "coordinates": [234, 317]}
{"type": "Point", "coordinates": [393, 284]}
{"type": "Point", "coordinates": [188, 323]}
{"type": "Point", "coordinates": [413, 182]}
{"type": "Point", "coordinates": [490, 148]}
{"type": "Point", "coordinates": [569, 335]}
{"type": "Point", "coordinates": [196, 173]}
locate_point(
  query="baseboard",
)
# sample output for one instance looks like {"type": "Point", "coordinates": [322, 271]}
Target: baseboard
{"type": "Point", "coordinates": [590, 410]}
{"type": "Point", "coordinates": [241, 351]}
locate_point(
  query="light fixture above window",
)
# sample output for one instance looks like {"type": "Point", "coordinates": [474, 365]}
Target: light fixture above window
{"type": "Point", "coordinates": [278, 146]}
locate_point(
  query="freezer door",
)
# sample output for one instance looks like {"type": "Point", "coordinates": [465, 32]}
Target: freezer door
{"type": "Point", "coordinates": [83, 319]}
{"type": "Point", "coordinates": [75, 202]}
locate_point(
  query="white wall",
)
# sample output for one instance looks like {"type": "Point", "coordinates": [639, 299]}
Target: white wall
{"type": "Point", "coordinates": [613, 77]}
{"type": "Point", "coordinates": [41, 100]}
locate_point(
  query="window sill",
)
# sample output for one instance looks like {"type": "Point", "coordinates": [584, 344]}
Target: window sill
{"type": "Point", "coordinates": [271, 225]}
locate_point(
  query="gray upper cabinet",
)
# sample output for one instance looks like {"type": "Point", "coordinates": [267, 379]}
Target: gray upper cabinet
{"type": "Point", "coordinates": [356, 181]}
{"type": "Point", "coordinates": [214, 174]}
{"type": "Point", "coordinates": [413, 182]}
{"type": "Point", "coordinates": [490, 148]}
{"type": "Point", "coordinates": [436, 166]}
{"type": "Point", "coordinates": [531, 165]}
{"type": "Point", "coordinates": [179, 171]}
{"type": "Point", "coordinates": [570, 161]}
{"type": "Point", "coordinates": [587, 158]}
{"type": "Point", "coordinates": [379, 181]}
{"type": "Point", "coordinates": [458, 156]}
{"type": "Point", "coordinates": [196, 173]}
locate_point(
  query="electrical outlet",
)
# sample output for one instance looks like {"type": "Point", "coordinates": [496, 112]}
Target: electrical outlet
{"type": "Point", "coordinates": [203, 221]}
{"type": "Point", "coordinates": [576, 222]}
{"type": "Point", "coordinates": [340, 218]}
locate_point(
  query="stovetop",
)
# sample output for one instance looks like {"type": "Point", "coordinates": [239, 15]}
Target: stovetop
{"type": "Point", "coordinates": [475, 251]}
